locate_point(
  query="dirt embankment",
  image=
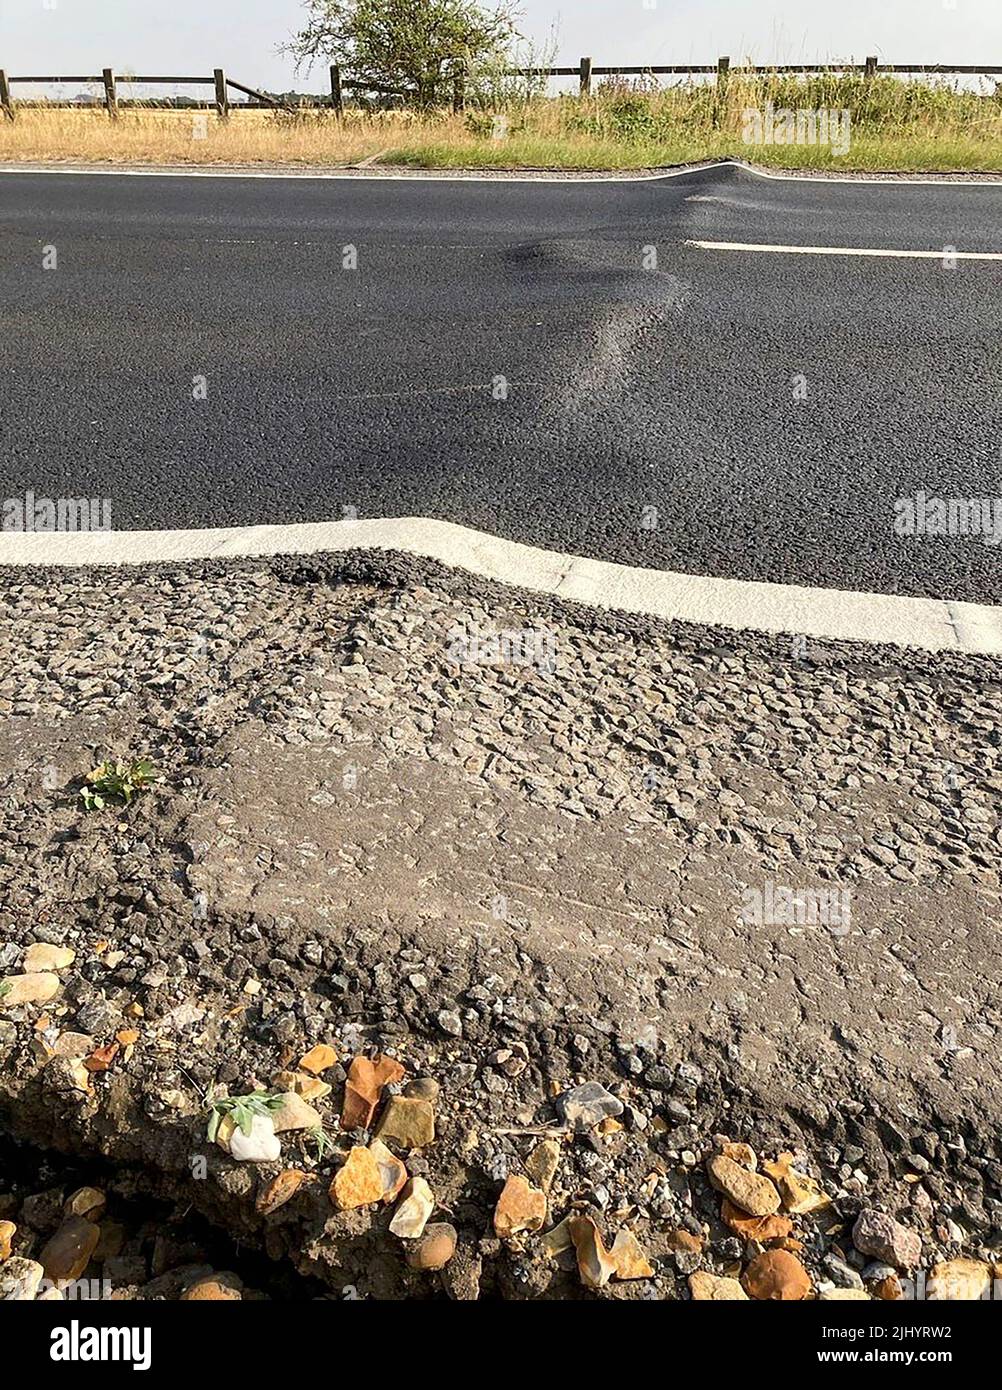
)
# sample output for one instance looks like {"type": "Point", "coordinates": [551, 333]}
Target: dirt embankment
{"type": "Point", "coordinates": [517, 848]}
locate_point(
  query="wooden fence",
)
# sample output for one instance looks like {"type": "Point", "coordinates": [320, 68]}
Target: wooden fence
{"type": "Point", "coordinates": [585, 72]}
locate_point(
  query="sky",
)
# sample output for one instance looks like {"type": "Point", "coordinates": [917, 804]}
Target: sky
{"type": "Point", "coordinates": [194, 36]}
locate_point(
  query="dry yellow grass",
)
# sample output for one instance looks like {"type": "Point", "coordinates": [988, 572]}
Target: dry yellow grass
{"type": "Point", "coordinates": [192, 137]}
{"type": "Point", "coordinates": [895, 125]}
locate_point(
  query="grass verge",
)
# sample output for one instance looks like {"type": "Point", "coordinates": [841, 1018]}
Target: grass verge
{"type": "Point", "coordinates": [893, 125]}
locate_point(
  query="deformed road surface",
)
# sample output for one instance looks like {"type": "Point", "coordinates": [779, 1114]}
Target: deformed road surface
{"type": "Point", "coordinates": [588, 366]}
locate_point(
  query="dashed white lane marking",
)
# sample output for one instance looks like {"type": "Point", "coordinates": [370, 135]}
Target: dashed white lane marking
{"type": "Point", "coordinates": [945, 253]}
{"type": "Point", "coordinates": [930, 624]}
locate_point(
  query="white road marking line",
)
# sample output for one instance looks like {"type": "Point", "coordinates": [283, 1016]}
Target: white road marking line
{"type": "Point", "coordinates": [891, 253]}
{"type": "Point", "coordinates": [493, 176]}
{"type": "Point", "coordinates": [387, 173]}
{"type": "Point", "coordinates": [990, 179]}
{"type": "Point", "coordinates": [741, 605]}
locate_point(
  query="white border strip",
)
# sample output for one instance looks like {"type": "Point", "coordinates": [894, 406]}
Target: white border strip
{"type": "Point", "coordinates": [945, 253]}
{"type": "Point", "coordinates": [929, 624]}
{"type": "Point", "coordinates": [388, 172]}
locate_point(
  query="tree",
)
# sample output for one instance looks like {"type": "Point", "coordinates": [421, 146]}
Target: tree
{"type": "Point", "coordinates": [406, 48]}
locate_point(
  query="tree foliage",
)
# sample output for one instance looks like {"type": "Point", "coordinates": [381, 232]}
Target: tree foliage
{"type": "Point", "coordinates": [404, 48]}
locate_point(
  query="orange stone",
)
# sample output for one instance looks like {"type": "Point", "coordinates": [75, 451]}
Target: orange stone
{"type": "Point", "coordinates": [520, 1207]}
{"type": "Point", "coordinates": [214, 1288]}
{"type": "Point", "coordinates": [777, 1275]}
{"type": "Point", "coordinates": [359, 1182]}
{"type": "Point", "coordinates": [629, 1257]}
{"type": "Point", "coordinates": [596, 1265]}
{"type": "Point", "coordinates": [282, 1188]}
{"type": "Point", "coordinates": [318, 1059]}
{"type": "Point", "coordinates": [685, 1240]}
{"type": "Point", "coordinates": [366, 1079]}
{"type": "Point", "coordinates": [760, 1228]}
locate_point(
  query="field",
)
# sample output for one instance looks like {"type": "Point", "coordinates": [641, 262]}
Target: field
{"type": "Point", "coordinates": [894, 125]}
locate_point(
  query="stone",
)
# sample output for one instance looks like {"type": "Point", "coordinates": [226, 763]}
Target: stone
{"type": "Point", "coordinates": [776, 1275]}
{"type": "Point", "coordinates": [844, 1296]}
{"type": "Point", "coordinates": [520, 1207]}
{"type": "Point", "coordinates": [261, 1145]}
{"type": "Point", "coordinates": [216, 1288]}
{"type": "Point", "coordinates": [959, 1281]}
{"type": "Point", "coordinates": [409, 1122]}
{"type": "Point", "coordinates": [358, 1182]}
{"type": "Point", "coordinates": [294, 1113]}
{"type": "Point", "coordinates": [542, 1164]}
{"type": "Point", "coordinates": [752, 1192]}
{"type": "Point", "coordinates": [68, 1253]}
{"type": "Point", "coordinates": [86, 1201]}
{"type": "Point", "coordinates": [760, 1228]}
{"type": "Point", "coordinates": [423, 1088]}
{"type": "Point", "coordinates": [583, 1107]}
{"type": "Point", "coordinates": [38, 988]}
{"type": "Point", "coordinates": [450, 1022]}
{"type": "Point", "coordinates": [19, 1279]}
{"type": "Point", "coordinates": [877, 1234]}
{"type": "Point", "coordinates": [281, 1189]}
{"type": "Point", "coordinates": [596, 1265]}
{"type": "Point", "coordinates": [742, 1154]}
{"type": "Point", "coordinates": [319, 1059]}
{"type": "Point", "coordinates": [841, 1273]}
{"type": "Point", "coordinates": [799, 1193]}
{"type": "Point", "coordinates": [42, 956]}
{"type": "Point", "coordinates": [7, 1233]}
{"type": "Point", "coordinates": [558, 1239]}
{"type": "Point", "coordinates": [629, 1258]}
{"type": "Point", "coordinates": [416, 1206]}
{"type": "Point", "coordinates": [65, 1074]}
{"type": "Point", "coordinates": [73, 1045]}
{"type": "Point", "coordinates": [364, 1087]}
{"type": "Point", "coordinates": [392, 1169]}
{"type": "Point", "coordinates": [311, 1088]}
{"type": "Point", "coordinates": [111, 1241]}
{"type": "Point", "coordinates": [43, 1211]}
{"type": "Point", "coordinates": [435, 1248]}
{"type": "Point", "coordinates": [685, 1241]}
{"type": "Point", "coordinates": [713, 1288]}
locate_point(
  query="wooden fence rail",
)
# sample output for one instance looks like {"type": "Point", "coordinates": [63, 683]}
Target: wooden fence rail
{"type": "Point", "coordinates": [585, 72]}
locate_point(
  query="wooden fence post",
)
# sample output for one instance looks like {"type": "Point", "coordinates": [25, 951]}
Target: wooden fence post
{"type": "Point", "coordinates": [110, 94]}
{"type": "Point", "coordinates": [6, 100]}
{"type": "Point", "coordinates": [585, 71]}
{"type": "Point", "coordinates": [459, 88]}
{"type": "Point", "coordinates": [222, 96]}
{"type": "Point", "coordinates": [337, 100]}
{"type": "Point", "coordinates": [871, 68]}
{"type": "Point", "coordinates": [723, 71]}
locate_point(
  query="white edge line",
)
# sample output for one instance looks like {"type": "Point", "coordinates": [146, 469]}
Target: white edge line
{"type": "Point", "coordinates": [890, 252]}
{"type": "Point", "coordinates": [389, 172]}
{"type": "Point", "coordinates": [929, 624]}
{"type": "Point", "coordinates": [356, 173]}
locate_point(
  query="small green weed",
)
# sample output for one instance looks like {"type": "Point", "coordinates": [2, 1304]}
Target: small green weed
{"type": "Point", "coordinates": [118, 782]}
{"type": "Point", "coordinates": [242, 1109]}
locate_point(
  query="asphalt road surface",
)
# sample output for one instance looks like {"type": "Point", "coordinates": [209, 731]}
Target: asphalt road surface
{"type": "Point", "coordinates": [506, 355]}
